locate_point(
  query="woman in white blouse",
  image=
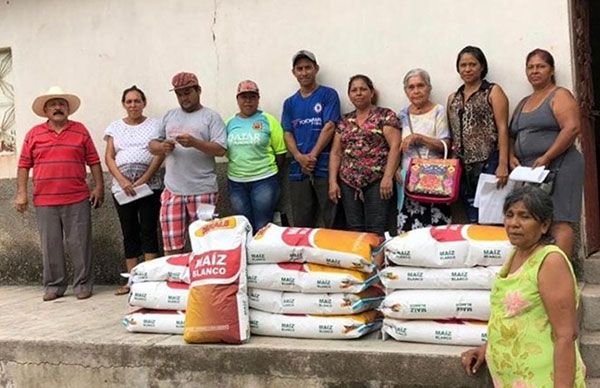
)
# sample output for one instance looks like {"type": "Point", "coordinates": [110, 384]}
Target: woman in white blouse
{"type": "Point", "coordinates": [131, 165]}
{"type": "Point", "coordinates": [424, 128]}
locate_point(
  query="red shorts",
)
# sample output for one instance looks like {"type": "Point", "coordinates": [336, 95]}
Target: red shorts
{"type": "Point", "coordinates": [177, 212]}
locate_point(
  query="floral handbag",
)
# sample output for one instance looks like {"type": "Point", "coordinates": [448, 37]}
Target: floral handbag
{"type": "Point", "coordinates": [433, 180]}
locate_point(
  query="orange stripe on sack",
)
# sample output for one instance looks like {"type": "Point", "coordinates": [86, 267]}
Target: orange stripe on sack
{"type": "Point", "coordinates": [486, 233]}
{"type": "Point", "coordinates": [360, 276]}
{"type": "Point", "coordinates": [343, 241]}
{"type": "Point", "coordinates": [222, 223]}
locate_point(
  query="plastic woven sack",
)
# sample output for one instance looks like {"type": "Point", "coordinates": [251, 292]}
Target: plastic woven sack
{"type": "Point", "coordinates": [308, 278]}
{"type": "Point", "coordinates": [475, 278]}
{"type": "Point", "coordinates": [451, 332]}
{"type": "Point", "coordinates": [314, 326]}
{"type": "Point", "coordinates": [323, 304]}
{"type": "Point", "coordinates": [336, 248]}
{"type": "Point", "coordinates": [155, 321]}
{"type": "Point", "coordinates": [159, 295]}
{"type": "Point", "coordinates": [437, 304]}
{"type": "Point", "coordinates": [217, 309]}
{"type": "Point", "coordinates": [453, 246]}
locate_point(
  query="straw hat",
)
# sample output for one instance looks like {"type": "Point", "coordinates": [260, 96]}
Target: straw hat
{"type": "Point", "coordinates": [55, 92]}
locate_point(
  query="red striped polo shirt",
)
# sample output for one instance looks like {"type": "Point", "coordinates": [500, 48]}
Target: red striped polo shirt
{"type": "Point", "coordinates": [58, 161]}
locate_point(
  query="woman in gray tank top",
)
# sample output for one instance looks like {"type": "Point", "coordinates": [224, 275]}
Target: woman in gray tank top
{"type": "Point", "coordinates": [543, 132]}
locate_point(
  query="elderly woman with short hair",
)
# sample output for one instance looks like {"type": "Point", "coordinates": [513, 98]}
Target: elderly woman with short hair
{"type": "Point", "coordinates": [424, 130]}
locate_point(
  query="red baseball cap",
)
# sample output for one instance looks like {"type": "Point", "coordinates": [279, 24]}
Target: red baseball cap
{"type": "Point", "coordinates": [184, 80]}
{"type": "Point", "coordinates": [247, 86]}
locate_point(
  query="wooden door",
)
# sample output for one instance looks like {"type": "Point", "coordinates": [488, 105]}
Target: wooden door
{"type": "Point", "coordinates": [584, 91]}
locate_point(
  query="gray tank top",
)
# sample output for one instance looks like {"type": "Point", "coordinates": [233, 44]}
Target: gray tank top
{"type": "Point", "coordinates": [535, 131]}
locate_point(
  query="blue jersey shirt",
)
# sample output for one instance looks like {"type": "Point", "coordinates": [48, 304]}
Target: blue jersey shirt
{"type": "Point", "coordinates": [305, 117]}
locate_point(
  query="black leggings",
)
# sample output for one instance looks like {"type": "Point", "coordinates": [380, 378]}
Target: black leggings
{"type": "Point", "coordinates": [139, 221]}
{"type": "Point", "coordinates": [469, 180]}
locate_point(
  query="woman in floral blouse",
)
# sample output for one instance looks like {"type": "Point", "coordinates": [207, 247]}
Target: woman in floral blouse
{"type": "Point", "coordinates": [364, 155]}
{"type": "Point", "coordinates": [532, 331]}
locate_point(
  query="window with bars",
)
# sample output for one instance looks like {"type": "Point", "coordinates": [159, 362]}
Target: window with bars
{"type": "Point", "coordinates": [7, 105]}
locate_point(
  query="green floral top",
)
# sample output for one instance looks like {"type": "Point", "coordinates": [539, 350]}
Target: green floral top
{"type": "Point", "coordinates": [520, 351]}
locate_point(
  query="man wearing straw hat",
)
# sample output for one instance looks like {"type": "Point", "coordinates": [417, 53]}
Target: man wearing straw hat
{"type": "Point", "coordinates": [58, 151]}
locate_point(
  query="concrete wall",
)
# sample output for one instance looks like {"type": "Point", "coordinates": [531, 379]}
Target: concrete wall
{"type": "Point", "coordinates": [20, 254]}
{"type": "Point", "coordinates": [96, 48]}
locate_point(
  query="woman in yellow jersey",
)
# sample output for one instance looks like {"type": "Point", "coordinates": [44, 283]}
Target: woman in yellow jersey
{"type": "Point", "coordinates": [532, 331]}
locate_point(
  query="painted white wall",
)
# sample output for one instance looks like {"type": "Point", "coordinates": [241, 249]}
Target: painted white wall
{"type": "Point", "coordinates": [96, 48]}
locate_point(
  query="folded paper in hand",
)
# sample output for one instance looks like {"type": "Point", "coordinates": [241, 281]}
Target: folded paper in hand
{"type": "Point", "coordinates": [140, 192]}
{"type": "Point", "coordinates": [205, 212]}
{"type": "Point", "coordinates": [528, 174]}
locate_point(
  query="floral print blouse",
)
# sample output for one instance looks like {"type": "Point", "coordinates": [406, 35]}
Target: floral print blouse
{"type": "Point", "coordinates": [364, 148]}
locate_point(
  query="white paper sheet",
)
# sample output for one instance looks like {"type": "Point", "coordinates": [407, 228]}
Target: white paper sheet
{"type": "Point", "coordinates": [205, 212]}
{"type": "Point", "coordinates": [490, 200]}
{"type": "Point", "coordinates": [140, 192]}
{"type": "Point", "coordinates": [528, 174]}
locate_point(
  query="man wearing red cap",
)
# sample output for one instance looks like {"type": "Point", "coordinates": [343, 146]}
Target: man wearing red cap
{"type": "Point", "coordinates": [190, 137]}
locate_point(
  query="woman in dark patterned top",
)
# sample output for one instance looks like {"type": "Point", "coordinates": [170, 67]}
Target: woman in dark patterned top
{"type": "Point", "coordinates": [478, 119]}
{"type": "Point", "coordinates": [365, 155]}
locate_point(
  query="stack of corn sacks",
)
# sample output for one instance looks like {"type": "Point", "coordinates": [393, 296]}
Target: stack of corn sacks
{"type": "Point", "coordinates": [438, 282]}
{"type": "Point", "coordinates": [159, 294]}
{"type": "Point", "coordinates": [312, 283]}
{"type": "Point", "coordinates": [160, 289]}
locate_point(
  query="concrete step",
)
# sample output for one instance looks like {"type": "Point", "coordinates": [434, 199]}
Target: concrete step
{"type": "Point", "coordinates": [589, 346]}
{"type": "Point", "coordinates": [592, 383]}
{"type": "Point", "coordinates": [590, 303]}
{"type": "Point", "coordinates": [81, 343]}
{"type": "Point", "coordinates": [591, 269]}
{"type": "Point", "coordinates": [264, 362]}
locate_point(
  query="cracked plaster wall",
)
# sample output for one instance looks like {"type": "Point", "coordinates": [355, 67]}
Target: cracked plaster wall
{"type": "Point", "coordinates": [96, 48]}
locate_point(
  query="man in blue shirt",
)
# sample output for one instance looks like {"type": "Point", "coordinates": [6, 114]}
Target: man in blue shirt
{"type": "Point", "coordinates": [309, 119]}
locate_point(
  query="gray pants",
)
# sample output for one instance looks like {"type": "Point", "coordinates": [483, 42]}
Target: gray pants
{"type": "Point", "coordinates": [310, 199]}
{"type": "Point", "coordinates": [369, 214]}
{"type": "Point", "coordinates": [71, 223]}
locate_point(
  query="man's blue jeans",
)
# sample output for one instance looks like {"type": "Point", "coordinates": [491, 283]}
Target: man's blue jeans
{"type": "Point", "coordinates": [255, 200]}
